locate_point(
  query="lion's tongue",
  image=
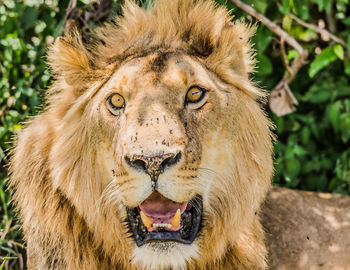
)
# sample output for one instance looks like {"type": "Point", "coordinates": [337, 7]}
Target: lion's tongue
{"type": "Point", "coordinates": [160, 210]}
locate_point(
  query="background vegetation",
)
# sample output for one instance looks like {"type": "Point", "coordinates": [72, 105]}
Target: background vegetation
{"type": "Point", "coordinates": [312, 152]}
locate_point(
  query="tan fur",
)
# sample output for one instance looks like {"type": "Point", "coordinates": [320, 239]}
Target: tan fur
{"type": "Point", "coordinates": [70, 179]}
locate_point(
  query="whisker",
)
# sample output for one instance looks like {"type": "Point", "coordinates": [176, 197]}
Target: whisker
{"type": "Point", "coordinates": [109, 195]}
{"type": "Point", "coordinates": [212, 172]}
{"type": "Point", "coordinates": [195, 203]}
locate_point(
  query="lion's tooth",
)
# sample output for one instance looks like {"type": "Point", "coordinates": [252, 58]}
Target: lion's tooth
{"type": "Point", "coordinates": [175, 220]}
{"type": "Point", "coordinates": [146, 220]}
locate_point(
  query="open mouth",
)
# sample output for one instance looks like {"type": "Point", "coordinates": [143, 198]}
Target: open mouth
{"type": "Point", "coordinates": [160, 219]}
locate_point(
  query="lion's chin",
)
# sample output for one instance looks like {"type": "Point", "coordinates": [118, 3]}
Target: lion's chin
{"type": "Point", "coordinates": [165, 255]}
{"type": "Point", "coordinates": [161, 222]}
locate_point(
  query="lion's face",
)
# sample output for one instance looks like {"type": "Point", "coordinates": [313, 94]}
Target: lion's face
{"type": "Point", "coordinates": [171, 131]}
{"type": "Point", "coordinates": [164, 136]}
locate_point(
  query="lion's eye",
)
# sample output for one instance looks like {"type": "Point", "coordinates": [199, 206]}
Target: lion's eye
{"type": "Point", "coordinates": [116, 101]}
{"type": "Point", "coordinates": [194, 94]}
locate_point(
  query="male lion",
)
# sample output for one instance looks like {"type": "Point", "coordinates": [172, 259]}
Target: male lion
{"type": "Point", "coordinates": [152, 152]}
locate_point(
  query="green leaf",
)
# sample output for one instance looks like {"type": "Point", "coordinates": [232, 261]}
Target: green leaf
{"type": "Point", "coordinates": [339, 51]}
{"type": "Point", "coordinates": [345, 127]}
{"type": "Point", "coordinates": [305, 135]}
{"type": "Point", "coordinates": [260, 5]}
{"type": "Point", "coordinates": [348, 43]}
{"type": "Point", "coordinates": [285, 8]}
{"type": "Point", "coordinates": [299, 151]}
{"type": "Point", "coordinates": [321, 96]}
{"type": "Point", "coordinates": [292, 54]}
{"type": "Point", "coordinates": [29, 17]}
{"type": "Point", "coordinates": [334, 116]}
{"type": "Point", "coordinates": [13, 113]}
{"type": "Point", "coordinates": [328, 5]}
{"type": "Point", "coordinates": [308, 166]}
{"type": "Point", "coordinates": [347, 66]}
{"type": "Point", "coordinates": [307, 35]}
{"type": "Point", "coordinates": [342, 91]}
{"type": "Point", "coordinates": [335, 182]}
{"type": "Point", "coordinates": [322, 60]}
{"type": "Point", "coordinates": [301, 9]}
{"type": "Point", "coordinates": [264, 65]}
{"type": "Point", "coordinates": [287, 22]}
{"type": "Point", "coordinates": [263, 38]}
{"type": "Point", "coordinates": [292, 166]}
{"type": "Point", "coordinates": [326, 163]}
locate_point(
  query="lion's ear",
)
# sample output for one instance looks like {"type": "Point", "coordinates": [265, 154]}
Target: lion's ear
{"type": "Point", "coordinates": [70, 60]}
{"type": "Point", "coordinates": [233, 48]}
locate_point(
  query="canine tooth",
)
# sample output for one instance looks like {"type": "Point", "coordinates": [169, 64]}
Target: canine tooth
{"type": "Point", "coordinates": [175, 220]}
{"type": "Point", "coordinates": [146, 220]}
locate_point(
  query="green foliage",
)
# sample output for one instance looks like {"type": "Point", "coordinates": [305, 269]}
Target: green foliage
{"type": "Point", "coordinates": [26, 29]}
{"type": "Point", "coordinates": [312, 151]}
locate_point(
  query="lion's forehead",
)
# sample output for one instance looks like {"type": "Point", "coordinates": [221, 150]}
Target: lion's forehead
{"type": "Point", "coordinates": [159, 74]}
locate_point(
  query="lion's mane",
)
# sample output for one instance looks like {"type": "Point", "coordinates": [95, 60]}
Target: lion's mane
{"type": "Point", "coordinates": [60, 184]}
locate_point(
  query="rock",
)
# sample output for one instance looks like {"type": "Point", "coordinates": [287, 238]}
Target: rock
{"type": "Point", "coordinates": [307, 230]}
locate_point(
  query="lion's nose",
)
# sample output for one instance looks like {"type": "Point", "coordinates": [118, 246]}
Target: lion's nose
{"type": "Point", "coordinates": [153, 165]}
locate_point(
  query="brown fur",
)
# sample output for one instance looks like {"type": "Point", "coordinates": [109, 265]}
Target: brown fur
{"type": "Point", "coordinates": [69, 176]}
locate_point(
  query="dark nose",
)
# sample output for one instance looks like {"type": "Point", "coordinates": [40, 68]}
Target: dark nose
{"type": "Point", "coordinates": [153, 165]}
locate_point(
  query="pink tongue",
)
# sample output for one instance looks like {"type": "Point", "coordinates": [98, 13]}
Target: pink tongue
{"type": "Point", "coordinates": [160, 208]}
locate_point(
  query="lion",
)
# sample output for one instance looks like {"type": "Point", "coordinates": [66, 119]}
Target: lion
{"type": "Point", "coordinates": [152, 151]}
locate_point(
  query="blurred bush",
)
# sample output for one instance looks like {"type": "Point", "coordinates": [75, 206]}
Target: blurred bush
{"type": "Point", "coordinates": [312, 151]}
